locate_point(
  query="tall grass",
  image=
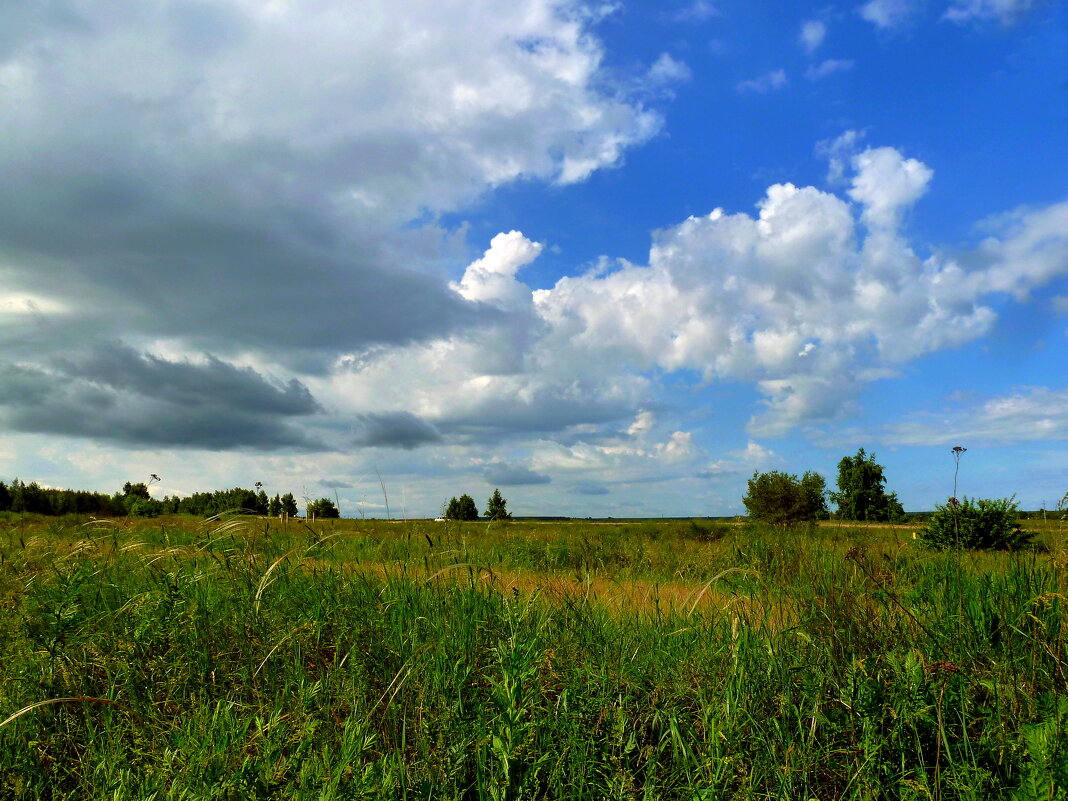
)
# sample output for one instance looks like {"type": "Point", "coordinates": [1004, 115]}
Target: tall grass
{"type": "Point", "coordinates": [518, 661]}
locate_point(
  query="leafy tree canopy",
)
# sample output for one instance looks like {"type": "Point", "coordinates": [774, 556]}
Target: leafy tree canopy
{"type": "Point", "coordinates": [138, 490]}
{"type": "Point", "coordinates": [323, 508]}
{"type": "Point", "coordinates": [289, 505]}
{"type": "Point", "coordinates": [497, 507]}
{"type": "Point", "coordinates": [783, 499]}
{"type": "Point", "coordinates": [462, 508]}
{"type": "Point", "coordinates": [861, 495]}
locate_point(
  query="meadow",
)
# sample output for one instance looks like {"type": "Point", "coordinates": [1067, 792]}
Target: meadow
{"type": "Point", "coordinates": [244, 657]}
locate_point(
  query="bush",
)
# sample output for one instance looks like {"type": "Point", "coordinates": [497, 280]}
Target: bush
{"type": "Point", "coordinates": [977, 524]}
{"type": "Point", "coordinates": [783, 499]}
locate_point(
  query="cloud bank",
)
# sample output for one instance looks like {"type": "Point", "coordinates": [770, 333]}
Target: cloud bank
{"type": "Point", "coordinates": [258, 182]}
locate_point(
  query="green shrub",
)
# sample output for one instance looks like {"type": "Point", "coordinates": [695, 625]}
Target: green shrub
{"type": "Point", "coordinates": [985, 523]}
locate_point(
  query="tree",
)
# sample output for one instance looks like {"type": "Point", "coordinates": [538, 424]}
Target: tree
{"type": "Point", "coordinates": [289, 505]}
{"type": "Point", "coordinates": [783, 499]}
{"type": "Point", "coordinates": [274, 507]}
{"type": "Point", "coordinates": [462, 508]}
{"type": "Point", "coordinates": [262, 503]}
{"type": "Point", "coordinates": [5, 497]}
{"type": "Point", "coordinates": [861, 495]}
{"type": "Point", "coordinates": [138, 490]}
{"type": "Point", "coordinates": [323, 508]}
{"type": "Point", "coordinates": [497, 507]}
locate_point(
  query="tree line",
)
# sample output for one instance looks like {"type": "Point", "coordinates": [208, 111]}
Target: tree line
{"type": "Point", "coordinates": [134, 499]}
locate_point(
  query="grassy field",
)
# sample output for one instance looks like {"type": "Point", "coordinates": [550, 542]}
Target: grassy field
{"type": "Point", "coordinates": [240, 658]}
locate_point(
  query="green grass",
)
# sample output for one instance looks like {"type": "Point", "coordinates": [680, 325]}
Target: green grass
{"type": "Point", "coordinates": [173, 659]}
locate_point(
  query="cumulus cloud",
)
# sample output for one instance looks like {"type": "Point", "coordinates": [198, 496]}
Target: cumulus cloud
{"type": "Point", "coordinates": [810, 299]}
{"type": "Point", "coordinates": [776, 79]}
{"type": "Point", "coordinates": [887, 184]}
{"type": "Point", "coordinates": [812, 34]}
{"type": "Point", "coordinates": [492, 279]}
{"type": "Point", "coordinates": [257, 180]}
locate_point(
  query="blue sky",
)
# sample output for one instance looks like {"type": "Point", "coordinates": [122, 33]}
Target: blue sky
{"type": "Point", "coordinates": [610, 257]}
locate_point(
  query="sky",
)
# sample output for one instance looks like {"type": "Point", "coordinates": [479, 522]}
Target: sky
{"type": "Point", "coordinates": [610, 257]}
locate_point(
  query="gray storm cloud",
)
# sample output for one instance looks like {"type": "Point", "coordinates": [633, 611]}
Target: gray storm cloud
{"type": "Point", "coordinates": [114, 394]}
{"type": "Point", "coordinates": [252, 180]}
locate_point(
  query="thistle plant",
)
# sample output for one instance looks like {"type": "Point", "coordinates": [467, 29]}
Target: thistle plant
{"type": "Point", "coordinates": [958, 451]}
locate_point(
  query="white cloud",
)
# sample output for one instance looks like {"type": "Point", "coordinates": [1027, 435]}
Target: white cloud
{"type": "Point", "coordinates": [1026, 250]}
{"type": "Point", "coordinates": [839, 153]}
{"type": "Point", "coordinates": [753, 457]}
{"type": "Point", "coordinates": [812, 34]}
{"type": "Point", "coordinates": [1029, 414]}
{"type": "Point", "coordinates": [888, 14]}
{"type": "Point", "coordinates": [1004, 11]}
{"type": "Point", "coordinates": [809, 299]}
{"type": "Point", "coordinates": [828, 67]}
{"type": "Point", "coordinates": [492, 278]}
{"type": "Point", "coordinates": [887, 184]}
{"type": "Point", "coordinates": [621, 458]}
{"type": "Point", "coordinates": [293, 143]}
{"type": "Point", "coordinates": [26, 303]}
{"type": "Point", "coordinates": [776, 79]}
{"type": "Point", "coordinates": [800, 299]}
{"type": "Point", "coordinates": [667, 70]}
{"type": "Point", "coordinates": [643, 424]}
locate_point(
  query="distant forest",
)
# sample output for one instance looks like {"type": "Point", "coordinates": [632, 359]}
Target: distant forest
{"type": "Point", "coordinates": [134, 499]}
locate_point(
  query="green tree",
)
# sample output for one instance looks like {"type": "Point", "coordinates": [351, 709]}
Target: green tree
{"type": "Point", "coordinates": [289, 505]}
{"type": "Point", "coordinates": [261, 502]}
{"type": "Point", "coordinates": [462, 508]}
{"type": "Point", "coordinates": [274, 507]}
{"type": "Point", "coordinates": [5, 497]}
{"type": "Point", "coordinates": [138, 490]}
{"type": "Point", "coordinates": [783, 499]}
{"type": "Point", "coordinates": [138, 502]}
{"type": "Point", "coordinates": [861, 494]}
{"type": "Point", "coordinates": [497, 507]}
{"type": "Point", "coordinates": [323, 508]}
